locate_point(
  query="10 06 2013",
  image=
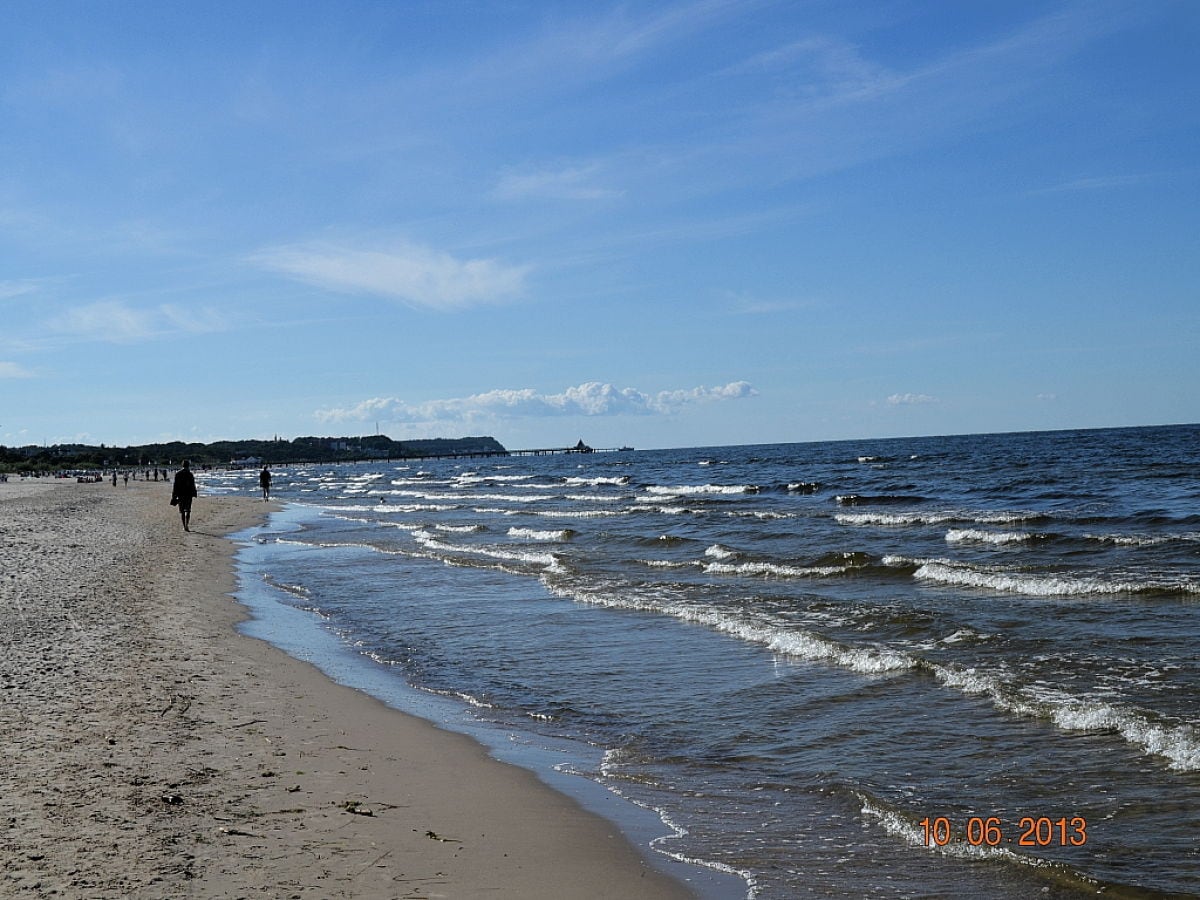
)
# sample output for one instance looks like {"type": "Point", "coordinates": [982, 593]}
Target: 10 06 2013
{"type": "Point", "coordinates": [991, 831]}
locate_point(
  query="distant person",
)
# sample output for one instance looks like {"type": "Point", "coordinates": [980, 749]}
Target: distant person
{"type": "Point", "coordinates": [264, 480]}
{"type": "Point", "coordinates": [114, 477]}
{"type": "Point", "coordinates": [183, 492]}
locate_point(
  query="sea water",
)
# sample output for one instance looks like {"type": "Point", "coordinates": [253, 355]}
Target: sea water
{"type": "Point", "coordinates": [946, 666]}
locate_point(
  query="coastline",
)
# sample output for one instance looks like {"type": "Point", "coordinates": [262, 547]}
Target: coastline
{"type": "Point", "coordinates": [152, 750]}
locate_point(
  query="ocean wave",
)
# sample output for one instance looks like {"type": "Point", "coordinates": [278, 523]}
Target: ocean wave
{"type": "Point", "coordinates": [1178, 744]}
{"type": "Point", "coordinates": [669, 510]}
{"type": "Point", "coordinates": [939, 518]}
{"type": "Point", "coordinates": [622, 479]}
{"type": "Point", "coordinates": [776, 570]}
{"type": "Point", "coordinates": [765, 514]}
{"type": "Point", "coordinates": [776, 638]}
{"type": "Point", "coordinates": [296, 590]}
{"type": "Point", "coordinates": [576, 513]}
{"type": "Point", "coordinates": [898, 825]}
{"type": "Point", "coordinates": [1055, 585]}
{"type": "Point", "coordinates": [877, 499]}
{"type": "Point", "coordinates": [474, 478]}
{"type": "Point", "coordinates": [803, 487]}
{"type": "Point", "coordinates": [532, 534]}
{"type": "Point", "coordinates": [461, 529]}
{"type": "Point", "coordinates": [716, 551]}
{"type": "Point", "coordinates": [1144, 540]}
{"type": "Point", "coordinates": [959, 535]}
{"type": "Point", "coordinates": [548, 561]}
{"type": "Point", "coordinates": [502, 498]}
{"type": "Point", "coordinates": [896, 518]}
{"type": "Point", "coordinates": [687, 490]}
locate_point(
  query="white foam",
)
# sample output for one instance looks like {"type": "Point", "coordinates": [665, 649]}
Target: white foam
{"type": "Point", "coordinates": [1144, 540]}
{"type": "Point", "coordinates": [759, 514]}
{"type": "Point", "coordinates": [532, 534]}
{"type": "Point", "coordinates": [692, 489]}
{"type": "Point", "coordinates": [779, 639]}
{"type": "Point", "coordinates": [716, 551]}
{"type": "Point", "coordinates": [894, 518]}
{"type": "Point", "coordinates": [776, 570]}
{"type": "Point", "coordinates": [1178, 744]}
{"type": "Point", "coordinates": [958, 535]}
{"type": "Point", "coordinates": [1041, 585]}
{"type": "Point", "coordinates": [473, 478]}
{"type": "Point", "coordinates": [431, 542]}
{"type": "Point", "coordinates": [575, 513]}
{"type": "Point", "coordinates": [913, 834]}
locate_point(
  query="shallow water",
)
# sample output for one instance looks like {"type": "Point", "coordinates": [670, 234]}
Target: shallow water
{"type": "Point", "coordinates": [799, 653]}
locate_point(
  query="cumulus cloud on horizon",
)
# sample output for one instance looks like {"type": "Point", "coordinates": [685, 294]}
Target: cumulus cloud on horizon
{"type": "Point", "coordinates": [411, 273]}
{"type": "Point", "coordinates": [591, 398]}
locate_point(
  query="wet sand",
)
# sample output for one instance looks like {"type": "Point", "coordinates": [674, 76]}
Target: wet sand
{"type": "Point", "coordinates": [149, 750]}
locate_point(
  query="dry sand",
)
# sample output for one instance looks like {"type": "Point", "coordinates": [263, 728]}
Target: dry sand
{"type": "Point", "coordinates": [148, 750]}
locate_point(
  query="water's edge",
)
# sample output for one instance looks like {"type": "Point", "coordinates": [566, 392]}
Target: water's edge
{"type": "Point", "coordinates": [558, 764]}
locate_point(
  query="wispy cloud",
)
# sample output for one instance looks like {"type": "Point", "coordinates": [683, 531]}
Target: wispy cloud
{"type": "Point", "coordinates": [18, 288]}
{"type": "Point", "coordinates": [910, 399]}
{"type": "Point", "coordinates": [13, 370]}
{"type": "Point", "coordinates": [591, 398]}
{"type": "Point", "coordinates": [554, 184]}
{"type": "Point", "coordinates": [413, 274]}
{"type": "Point", "coordinates": [118, 322]}
{"type": "Point", "coordinates": [1098, 183]}
{"type": "Point", "coordinates": [745, 304]}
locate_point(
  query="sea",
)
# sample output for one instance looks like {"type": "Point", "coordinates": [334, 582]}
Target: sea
{"type": "Point", "coordinates": [959, 666]}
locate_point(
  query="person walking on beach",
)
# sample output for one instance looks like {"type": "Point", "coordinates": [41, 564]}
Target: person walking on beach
{"type": "Point", "coordinates": [182, 493]}
{"type": "Point", "coordinates": [264, 480]}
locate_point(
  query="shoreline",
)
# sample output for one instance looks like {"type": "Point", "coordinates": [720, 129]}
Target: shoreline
{"type": "Point", "coordinates": [154, 750]}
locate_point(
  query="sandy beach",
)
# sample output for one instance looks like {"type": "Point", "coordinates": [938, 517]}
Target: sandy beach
{"type": "Point", "coordinates": [149, 750]}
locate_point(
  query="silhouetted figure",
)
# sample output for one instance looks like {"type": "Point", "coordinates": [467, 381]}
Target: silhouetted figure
{"type": "Point", "coordinates": [264, 480]}
{"type": "Point", "coordinates": [182, 493]}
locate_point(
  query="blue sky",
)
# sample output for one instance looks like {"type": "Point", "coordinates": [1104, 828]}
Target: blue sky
{"type": "Point", "coordinates": [649, 223]}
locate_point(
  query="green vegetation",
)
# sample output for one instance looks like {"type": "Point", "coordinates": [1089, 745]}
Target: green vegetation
{"type": "Point", "coordinates": [277, 452]}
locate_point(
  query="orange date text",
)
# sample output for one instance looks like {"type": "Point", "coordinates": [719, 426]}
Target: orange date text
{"type": "Point", "coordinates": [990, 831]}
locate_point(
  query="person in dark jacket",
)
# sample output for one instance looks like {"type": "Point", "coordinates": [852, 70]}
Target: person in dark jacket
{"type": "Point", "coordinates": [182, 493]}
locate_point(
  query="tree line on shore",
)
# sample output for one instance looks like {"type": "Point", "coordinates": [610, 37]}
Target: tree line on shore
{"type": "Point", "coordinates": [58, 457]}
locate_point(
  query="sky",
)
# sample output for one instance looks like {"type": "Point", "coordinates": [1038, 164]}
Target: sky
{"type": "Point", "coordinates": [655, 224]}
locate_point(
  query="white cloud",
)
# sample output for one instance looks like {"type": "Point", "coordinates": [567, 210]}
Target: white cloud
{"type": "Point", "coordinates": [13, 370]}
{"type": "Point", "coordinates": [560, 184]}
{"type": "Point", "coordinates": [592, 398]}
{"type": "Point", "coordinates": [10, 289]}
{"type": "Point", "coordinates": [1099, 183]}
{"type": "Point", "coordinates": [115, 321]}
{"type": "Point", "coordinates": [910, 399]}
{"type": "Point", "coordinates": [416, 275]}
